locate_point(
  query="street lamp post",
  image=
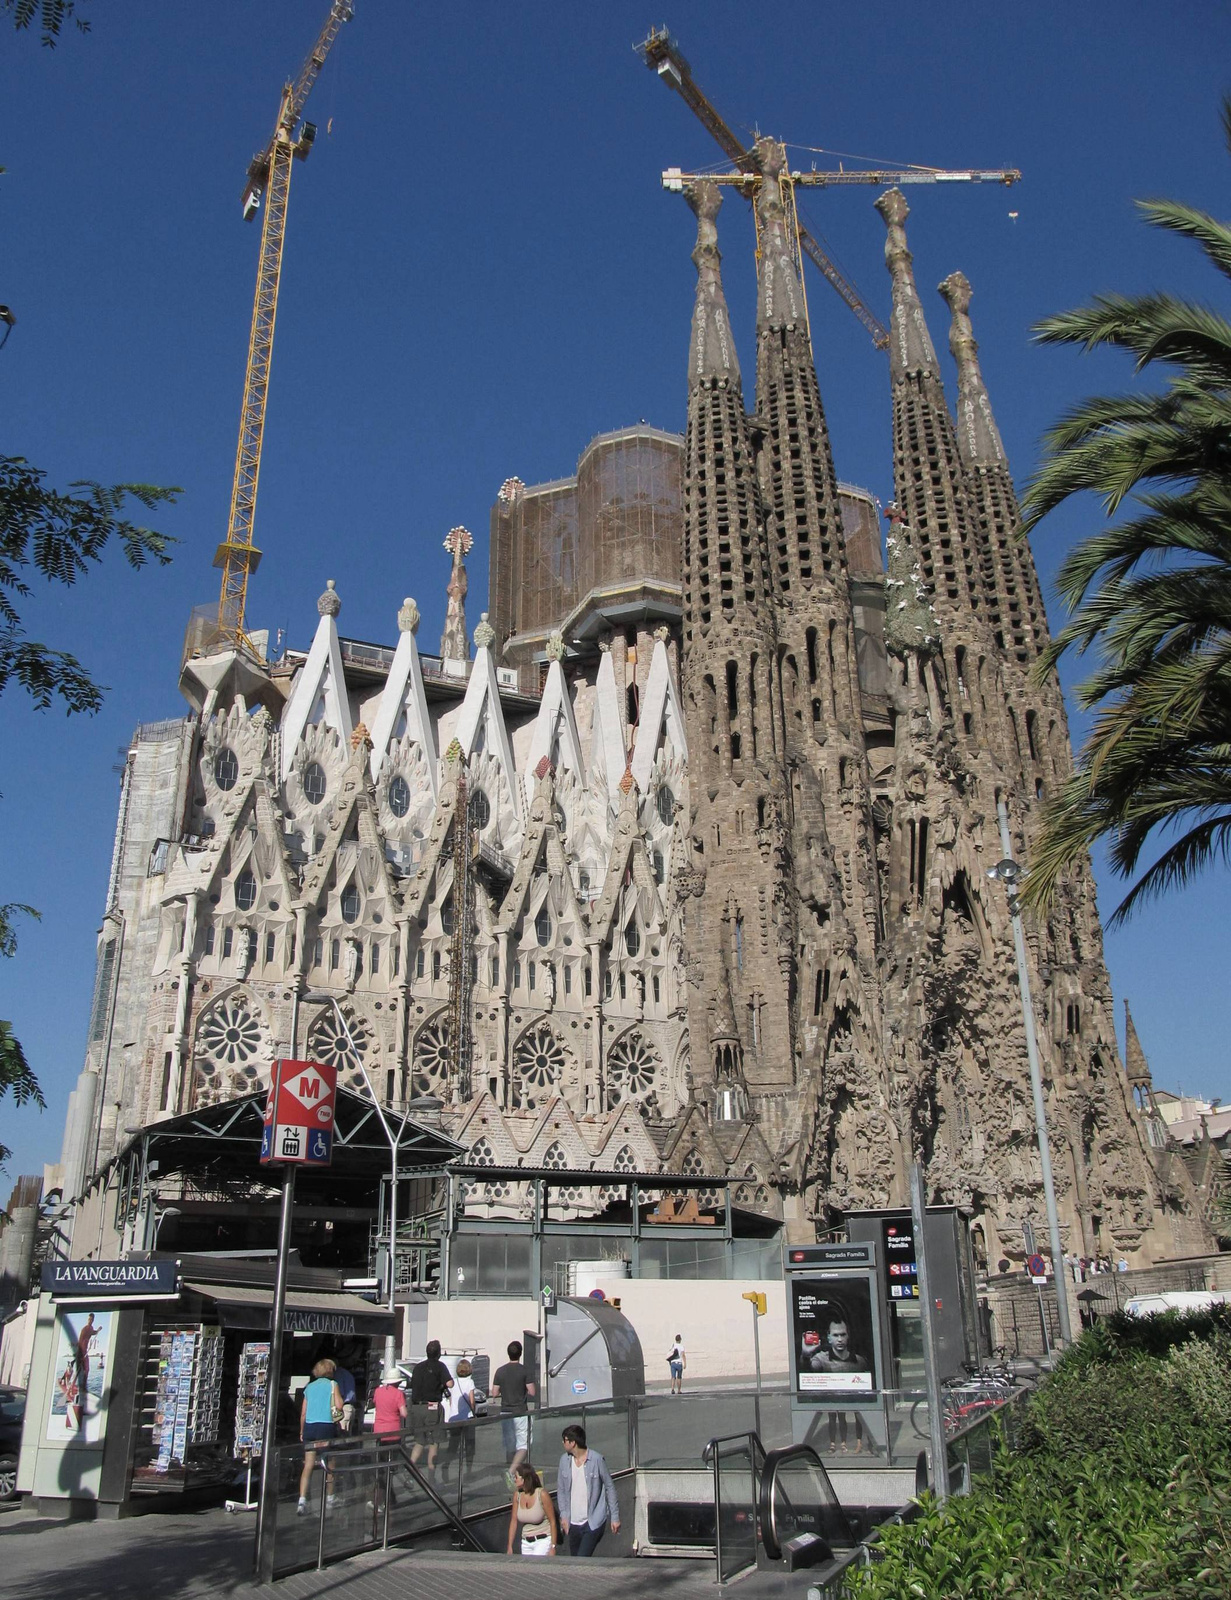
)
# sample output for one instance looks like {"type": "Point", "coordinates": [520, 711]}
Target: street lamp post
{"type": "Point", "coordinates": [395, 1141]}
{"type": "Point", "coordinates": [1009, 873]}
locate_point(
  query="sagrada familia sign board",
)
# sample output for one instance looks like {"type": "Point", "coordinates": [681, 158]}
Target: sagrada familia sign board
{"type": "Point", "coordinates": [686, 869]}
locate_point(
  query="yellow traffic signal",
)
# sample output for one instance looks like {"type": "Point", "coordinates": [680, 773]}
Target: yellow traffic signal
{"type": "Point", "coordinates": [758, 1300]}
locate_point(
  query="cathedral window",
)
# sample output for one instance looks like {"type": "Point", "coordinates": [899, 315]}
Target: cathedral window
{"type": "Point", "coordinates": [446, 916]}
{"type": "Point", "coordinates": [314, 784]}
{"type": "Point", "coordinates": [568, 977]}
{"type": "Point", "coordinates": [226, 768]}
{"type": "Point", "coordinates": [209, 940]}
{"type": "Point", "coordinates": [390, 1085]}
{"type": "Point", "coordinates": [328, 1041]}
{"type": "Point", "coordinates": [664, 804]}
{"type": "Point", "coordinates": [230, 1035]}
{"type": "Point", "coordinates": [480, 810]}
{"type": "Point", "coordinates": [739, 944]}
{"type": "Point", "coordinates": [396, 956]}
{"type": "Point", "coordinates": [517, 974]}
{"type": "Point", "coordinates": [420, 963]}
{"type": "Point", "coordinates": [632, 1069]}
{"type": "Point", "coordinates": [607, 985]}
{"type": "Point", "coordinates": [583, 882]}
{"type": "Point", "coordinates": [657, 988]}
{"type": "Point", "coordinates": [623, 987]}
{"type": "Point", "coordinates": [495, 972]}
{"type": "Point", "coordinates": [245, 890]}
{"type": "Point", "coordinates": [811, 638]}
{"type": "Point", "coordinates": [538, 1065]}
{"type": "Point", "coordinates": [350, 903]}
{"type": "Point", "coordinates": [554, 1158]}
{"type": "Point", "coordinates": [481, 1154]}
{"type": "Point", "coordinates": [632, 939]}
{"type": "Point", "coordinates": [290, 954]}
{"type": "Point", "coordinates": [625, 1161]}
{"type": "Point", "coordinates": [588, 983]}
{"type": "Point", "coordinates": [399, 795]}
{"type": "Point", "coordinates": [474, 969]}
{"type": "Point", "coordinates": [228, 942]}
{"type": "Point", "coordinates": [660, 867]}
{"type": "Point", "coordinates": [530, 976]}
{"type": "Point", "coordinates": [335, 954]}
{"type": "Point", "coordinates": [374, 959]}
{"type": "Point", "coordinates": [432, 1057]}
{"type": "Point", "coordinates": [435, 966]}
{"type": "Point", "coordinates": [318, 952]}
{"type": "Point", "coordinates": [269, 947]}
{"type": "Point", "coordinates": [542, 926]}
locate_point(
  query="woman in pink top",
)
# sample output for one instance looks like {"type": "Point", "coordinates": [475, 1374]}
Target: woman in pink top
{"type": "Point", "coordinates": [389, 1400]}
{"type": "Point", "coordinates": [390, 1403]}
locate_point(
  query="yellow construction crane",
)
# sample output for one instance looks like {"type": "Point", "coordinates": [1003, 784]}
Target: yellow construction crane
{"type": "Point", "coordinates": [269, 182]}
{"type": "Point", "coordinates": [663, 55]}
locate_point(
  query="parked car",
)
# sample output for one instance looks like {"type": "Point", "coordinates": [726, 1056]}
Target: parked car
{"type": "Point", "coordinates": [12, 1411]}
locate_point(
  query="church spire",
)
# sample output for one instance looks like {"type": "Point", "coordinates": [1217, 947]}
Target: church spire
{"type": "Point", "coordinates": [910, 343]}
{"type": "Point", "coordinates": [1015, 607]}
{"type": "Point", "coordinates": [712, 354]}
{"type": "Point", "coordinates": [929, 482]}
{"type": "Point", "coordinates": [454, 645]}
{"type": "Point", "coordinates": [803, 520]}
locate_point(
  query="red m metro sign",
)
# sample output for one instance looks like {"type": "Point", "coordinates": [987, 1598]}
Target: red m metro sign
{"type": "Point", "coordinates": [299, 1114]}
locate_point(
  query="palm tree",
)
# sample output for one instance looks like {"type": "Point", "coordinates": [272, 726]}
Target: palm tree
{"type": "Point", "coordinates": [1149, 595]}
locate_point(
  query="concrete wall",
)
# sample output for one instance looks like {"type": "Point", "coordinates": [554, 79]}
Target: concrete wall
{"type": "Point", "coordinates": [17, 1343]}
{"type": "Point", "coordinates": [716, 1324]}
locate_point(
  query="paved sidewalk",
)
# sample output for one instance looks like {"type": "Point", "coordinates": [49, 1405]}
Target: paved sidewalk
{"type": "Point", "coordinates": [192, 1555]}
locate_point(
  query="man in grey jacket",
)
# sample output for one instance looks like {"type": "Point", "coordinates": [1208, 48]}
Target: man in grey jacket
{"type": "Point", "coordinates": [585, 1494]}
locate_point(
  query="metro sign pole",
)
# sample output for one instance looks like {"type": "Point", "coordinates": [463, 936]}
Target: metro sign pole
{"type": "Point", "coordinates": [298, 1131]}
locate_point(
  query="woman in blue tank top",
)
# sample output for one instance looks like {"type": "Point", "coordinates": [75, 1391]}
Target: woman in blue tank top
{"type": "Point", "coordinates": [318, 1423]}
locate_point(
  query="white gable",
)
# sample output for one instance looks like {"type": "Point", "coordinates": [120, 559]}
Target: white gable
{"type": "Point", "coordinates": [607, 758]}
{"type": "Point", "coordinates": [555, 731]}
{"type": "Point", "coordinates": [319, 694]}
{"type": "Point", "coordinates": [661, 718]}
{"type": "Point", "coordinates": [403, 709]}
{"type": "Point", "coordinates": [480, 723]}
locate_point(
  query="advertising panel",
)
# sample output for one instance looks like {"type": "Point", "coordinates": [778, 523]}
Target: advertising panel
{"type": "Point", "coordinates": [76, 1414]}
{"type": "Point", "coordinates": [831, 1326]}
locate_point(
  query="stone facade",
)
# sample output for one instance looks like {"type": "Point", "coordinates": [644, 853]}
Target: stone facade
{"type": "Point", "coordinates": [695, 878]}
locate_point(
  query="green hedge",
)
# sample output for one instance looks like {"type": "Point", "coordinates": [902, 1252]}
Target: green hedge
{"type": "Point", "coordinates": [1120, 1483]}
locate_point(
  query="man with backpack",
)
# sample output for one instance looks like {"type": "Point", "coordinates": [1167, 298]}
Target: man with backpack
{"type": "Point", "coordinates": [430, 1382]}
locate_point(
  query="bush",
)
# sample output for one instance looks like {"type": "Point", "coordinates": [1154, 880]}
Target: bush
{"type": "Point", "coordinates": [1120, 1484]}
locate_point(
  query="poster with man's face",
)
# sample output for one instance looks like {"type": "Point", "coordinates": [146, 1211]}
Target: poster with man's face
{"type": "Point", "coordinates": [831, 1324]}
{"type": "Point", "coordinates": [79, 1379]}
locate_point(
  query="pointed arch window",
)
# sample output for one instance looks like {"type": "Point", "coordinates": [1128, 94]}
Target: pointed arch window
{"type": "Point", "coordinates": [481, 1154]}
{"type": "Point", "coordinates": [245, 890]}
{"type": "Point", "coordinates": [542, 925]}
{"type": "Point", "coordinates": [625, 1161]}
{"type": "Point", "coordinates": [350, 903]}
{"type": "Point", "coordinates": [632, 937]}
{"type": "Point", "coordinates": [555, 1159]}
{"type": "Point", "coordinates": [446, 916]}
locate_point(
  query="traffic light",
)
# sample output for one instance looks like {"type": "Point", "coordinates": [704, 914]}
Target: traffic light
{"type": "Point", "coordinates": [758, 1300]}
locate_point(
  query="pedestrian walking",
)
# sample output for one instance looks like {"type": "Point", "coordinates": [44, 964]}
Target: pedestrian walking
{"type": "Point", "coordinates": [459, 1418]}
{"type": "Point", "coordinates": [346, 1388]}
{"type": "Point", "coordinates": [532, 1518]}
{"type": "Point", "coordinates": [430, 1382]}
{"type": "Point", "coordinates": [389, 1400]}
{"type": "Point", "coordinates": [678, 1361]}
{"type": "Point", "coordinates": [320, 1411]}
{"type": "Point", "coordinates": [514, 1388]}
{"type": "Point", "coordinates": [584, 1487]}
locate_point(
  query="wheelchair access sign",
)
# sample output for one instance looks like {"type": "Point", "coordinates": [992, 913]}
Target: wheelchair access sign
{"type": "Point", "coordinates": [299, 1114]}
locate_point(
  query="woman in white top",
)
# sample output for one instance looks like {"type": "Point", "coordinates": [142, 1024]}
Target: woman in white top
{"type": "Point", "coordinates": [678, 1362]}
{"type": "Point", "coordinates": [532, 1515]}
{"type": "Point", "coordinates": [459, 1417]}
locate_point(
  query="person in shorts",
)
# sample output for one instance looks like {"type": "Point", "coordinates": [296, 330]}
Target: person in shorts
{"type": "Point", "coordinates": [346, 1387]}
{"type": "Point", "coordinates": [319, 1414]}
{"type": "Point", "coordinates": [430, 1382]}
{"type": "Point", "coordinates": [513, 1387]}
{"type": "Point", "coordinates": [678, 1361]}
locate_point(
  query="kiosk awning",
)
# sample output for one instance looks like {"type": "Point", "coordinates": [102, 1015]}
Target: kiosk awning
{"type": "Point", "coordinates": [307, 1310]}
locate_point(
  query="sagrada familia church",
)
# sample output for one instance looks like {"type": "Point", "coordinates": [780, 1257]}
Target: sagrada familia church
{"type": "Point", "coordinates": [684, 868]}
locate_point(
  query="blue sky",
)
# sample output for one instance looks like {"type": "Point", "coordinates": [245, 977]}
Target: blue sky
{"type": "Point", "coordinates": [482, 271]}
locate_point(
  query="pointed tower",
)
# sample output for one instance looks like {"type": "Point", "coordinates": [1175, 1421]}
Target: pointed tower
{"type": "Point", "coordinates": [454, 645]}
{"type": "Point", "coordinates": [1015, 604]}
{"type": "Point", "coordinates": [741, 916]}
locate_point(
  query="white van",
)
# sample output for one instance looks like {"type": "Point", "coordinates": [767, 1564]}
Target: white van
{"type": "Point", "coordinates": [1148, 1305]}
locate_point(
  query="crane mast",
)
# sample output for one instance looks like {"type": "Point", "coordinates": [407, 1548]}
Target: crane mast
{"type": "Point", "coordinates": [269, 181]}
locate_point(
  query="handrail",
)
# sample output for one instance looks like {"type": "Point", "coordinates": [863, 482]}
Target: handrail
{"type": "Point", "coordinates": [767, 1511]}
